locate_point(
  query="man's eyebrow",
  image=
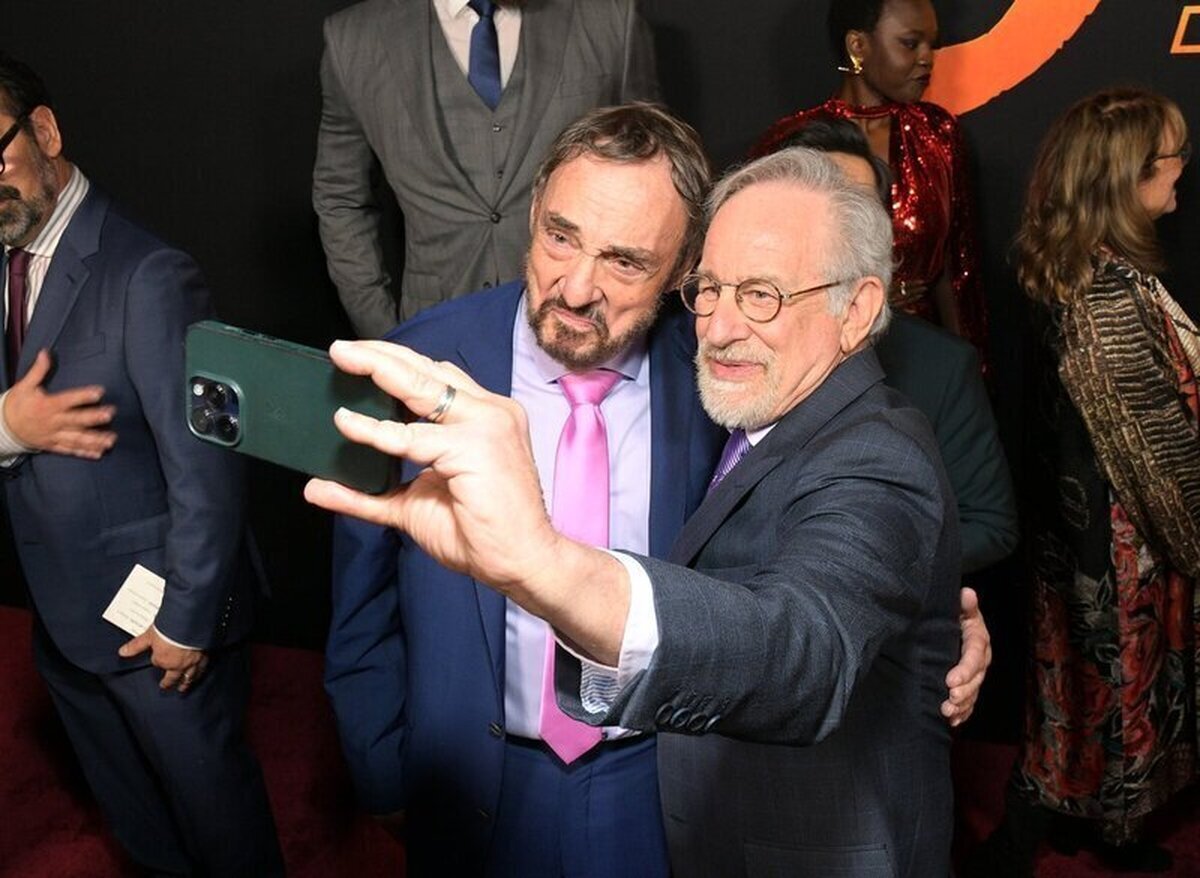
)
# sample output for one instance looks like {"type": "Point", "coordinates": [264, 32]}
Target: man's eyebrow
{"type": "Point", "coordinates": [558, 221]}
{"type": "Point", "coordinates": [640, 255]}
{"type": "Point", "coordinates": [632, 254]}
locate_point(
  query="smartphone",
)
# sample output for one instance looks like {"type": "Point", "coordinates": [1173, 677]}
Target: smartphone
{"type": "Point", "coordinates": [275, 400]}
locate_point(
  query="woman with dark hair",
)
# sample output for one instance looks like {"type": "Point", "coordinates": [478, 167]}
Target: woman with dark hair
{"type": "Point", "coordinates": [1115, 540]}
{"type": "Point", "coordinates": [886, 52]}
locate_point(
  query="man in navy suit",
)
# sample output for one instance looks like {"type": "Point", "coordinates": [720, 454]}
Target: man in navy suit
{"type": "Point", "coordinates": [100, 475]}
{"type": "Point", "coordinates": [791, 654]}
{"type": "Point", "coordinates": [436, 680]}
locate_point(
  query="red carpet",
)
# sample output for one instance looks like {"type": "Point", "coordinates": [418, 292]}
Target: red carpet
{"type": "Point", "coordinates": [49, 827]}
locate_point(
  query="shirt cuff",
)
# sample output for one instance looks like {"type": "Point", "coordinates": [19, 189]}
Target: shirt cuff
{"type": "Point", "coordinates": [175, 642]}
{"type": "Point", "coordinates": [599, 685]}
{"type": "Point", "coordinates": [10, 447]}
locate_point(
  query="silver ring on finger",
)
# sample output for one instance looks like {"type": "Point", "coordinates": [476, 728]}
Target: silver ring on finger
{"type": "Point", "coordinates": [443, 405]}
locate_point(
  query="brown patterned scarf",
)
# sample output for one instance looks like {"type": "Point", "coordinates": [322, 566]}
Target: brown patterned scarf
{"type": "Point", "coordinates": [1116, 366]}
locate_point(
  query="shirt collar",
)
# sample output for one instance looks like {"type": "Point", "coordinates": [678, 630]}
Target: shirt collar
{"type": "Point", "coordinates": [46, 240]}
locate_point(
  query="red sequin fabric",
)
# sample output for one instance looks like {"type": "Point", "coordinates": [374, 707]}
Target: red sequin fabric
{"type": "Point", "coordinates": [932, 206]}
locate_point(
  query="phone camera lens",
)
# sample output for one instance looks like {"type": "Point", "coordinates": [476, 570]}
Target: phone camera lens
{"type": "Point", "coordinates": [202, 420]}
{"type": "Point", "coordinates": [216, 395]}
{"type": "Point", "coordinates": [227, 427]}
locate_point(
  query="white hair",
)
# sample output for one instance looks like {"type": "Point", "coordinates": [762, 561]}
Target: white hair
{"type": "Point", "coordinates": [863, 241]}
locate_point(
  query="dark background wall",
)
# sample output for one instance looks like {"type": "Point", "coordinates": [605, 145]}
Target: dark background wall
{"type": "Point", "coordinates": [201, 119]}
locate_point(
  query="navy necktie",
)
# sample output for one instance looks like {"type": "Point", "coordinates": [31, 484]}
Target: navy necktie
{"type": "Point", "coordinates": [14, 335]}
{"type": "Point", "coordinates": [484, 69]}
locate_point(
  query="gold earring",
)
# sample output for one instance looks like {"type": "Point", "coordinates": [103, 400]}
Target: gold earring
{"type": "Point", "coordinates": [855, 68]}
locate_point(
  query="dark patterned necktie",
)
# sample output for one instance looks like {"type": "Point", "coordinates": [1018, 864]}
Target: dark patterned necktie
{"type": "Point", "coordinates": [484, 68]}
{"type": "Point", "coordinates": [14, 333]}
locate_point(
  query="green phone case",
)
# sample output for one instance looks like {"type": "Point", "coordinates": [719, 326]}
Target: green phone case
{"type": "Point", "coordinates": [282, 404]}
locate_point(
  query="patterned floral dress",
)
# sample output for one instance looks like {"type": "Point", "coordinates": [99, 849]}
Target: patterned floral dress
{"type": "Point", "coordinates": [1111, 715]}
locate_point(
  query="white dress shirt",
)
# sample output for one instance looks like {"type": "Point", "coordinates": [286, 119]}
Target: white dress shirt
{"type": "Point", "coordinates": [458, 20]}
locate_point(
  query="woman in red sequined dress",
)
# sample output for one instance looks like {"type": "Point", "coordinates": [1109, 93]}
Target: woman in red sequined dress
{"type": "Point", "coordinates": [887, 47]}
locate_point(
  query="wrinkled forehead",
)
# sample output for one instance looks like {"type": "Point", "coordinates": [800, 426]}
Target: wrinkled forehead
{"type": "Point", "coordinates": [771, 230]}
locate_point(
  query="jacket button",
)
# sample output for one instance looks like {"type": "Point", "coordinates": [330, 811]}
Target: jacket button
{"type": "Point", "coordinates": [496, 730]}
{"type": "Point", "coordinates": [681, 717]}
{"type": "Point", "coordinates": [484, 814]}
{"type": "Point", "coordinates": [697, 724]}
{"type": "Point", "coordinates": [497, 128]}
{"type": "Point", "coordinates": [495, 217]}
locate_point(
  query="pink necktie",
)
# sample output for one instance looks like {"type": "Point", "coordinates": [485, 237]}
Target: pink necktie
{"type": "Point", "coordinates": [580, 510]}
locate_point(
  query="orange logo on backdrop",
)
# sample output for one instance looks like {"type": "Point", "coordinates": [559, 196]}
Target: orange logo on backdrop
{"type": "Point", "coordinates": [1178, 46]}
{"type": "Point", "coordinates": [970, 74]}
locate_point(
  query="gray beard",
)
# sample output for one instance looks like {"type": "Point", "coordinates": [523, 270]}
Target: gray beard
{"type": "Point", "coordinates": [20, 216]}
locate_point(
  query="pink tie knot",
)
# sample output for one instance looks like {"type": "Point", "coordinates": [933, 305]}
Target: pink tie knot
{"type": "Point", "coordinates": [588, 388]}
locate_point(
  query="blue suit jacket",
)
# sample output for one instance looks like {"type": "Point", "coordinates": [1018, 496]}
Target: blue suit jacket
{"type": "Point", "coordinates": [113, 310]}
{"type": "Point", "coordinates": [415, 659]}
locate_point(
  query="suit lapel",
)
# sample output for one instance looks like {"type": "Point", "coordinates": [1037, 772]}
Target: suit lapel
{"type": "Point", "coordinates": [67, 274]}
{"type": "Point", "coordinates": [410, 27]}
{"type": "Point", "coordinates": [721, 501]}
{"type": "Point", "coordinates": [673, 417]}
{"type": "Point", "coordinates": [544, 30]}
{"type": "Point", "coordinates": [845, 384]}
{"type": "Point", "coordinates": [486, 355]}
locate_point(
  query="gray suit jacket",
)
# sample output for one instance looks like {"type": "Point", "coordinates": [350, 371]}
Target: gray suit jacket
{"type": "Point", "coordinates": [799, 672]}
{"type": "Point", "coordinates": [381, 113]}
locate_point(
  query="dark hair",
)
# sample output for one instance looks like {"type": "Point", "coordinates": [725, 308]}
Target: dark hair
{"type": "Point", "coordinates": [21, 90]}
{"type": "Point", "coordinates": [848, 15]}
{"type": "Point", "coordinates": [842, 135]}
{"type": "Point", "coordinates": [639, 132]}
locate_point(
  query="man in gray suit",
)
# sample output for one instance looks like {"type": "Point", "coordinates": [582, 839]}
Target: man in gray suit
{"type": "Point", "coordinates": [455, 102]}
{"type": "Point", "coordinates": [790, 652]}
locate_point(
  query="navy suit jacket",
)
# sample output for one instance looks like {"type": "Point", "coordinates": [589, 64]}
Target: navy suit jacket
{"type": "Point", "coordinates": [113, 310]}
{"type": "Point", "coordinates": [798, 677]}
{"type": "Point", "coordinates": [415, 659]}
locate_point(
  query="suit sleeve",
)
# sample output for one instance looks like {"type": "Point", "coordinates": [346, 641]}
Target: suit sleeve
{"type": "Point", "coordinates": [639, 81]}
{"type": "Point", "coordinates": [346, 206]}
{"type": "Point", "coordinates": [775, 657]}
{"type": "Point", "coordinates": [977, 466]}
{"type": "Point", "coordinates": [365, 660]}
{"type": "Point", "coordinates": [204, 483]}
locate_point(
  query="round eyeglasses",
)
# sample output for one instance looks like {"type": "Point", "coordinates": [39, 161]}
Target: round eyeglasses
{"type": "Point", "coordinates": [760, 300]}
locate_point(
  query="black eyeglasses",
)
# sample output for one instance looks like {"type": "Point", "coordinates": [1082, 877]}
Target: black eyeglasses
{"type": "Point", "coordinates": [760, 300]}
{"type": "Point", "coordinates": [8, 138]}
{"type": "Point", "coordinates": [1184, 154]}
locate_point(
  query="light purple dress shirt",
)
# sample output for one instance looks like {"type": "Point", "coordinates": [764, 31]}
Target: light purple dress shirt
{"type": "Point", "coordinates": [626, 412]}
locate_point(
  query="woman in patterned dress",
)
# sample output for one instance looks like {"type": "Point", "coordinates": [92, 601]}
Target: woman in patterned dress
{"type": "Point", "coordinates": [1115, 542]}
{"type": "Point", "coordinates": [886, 51]}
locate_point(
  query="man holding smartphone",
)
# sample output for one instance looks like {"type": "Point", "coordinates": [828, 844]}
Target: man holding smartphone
{"type": "Point", "coordinates": [439, 684]}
